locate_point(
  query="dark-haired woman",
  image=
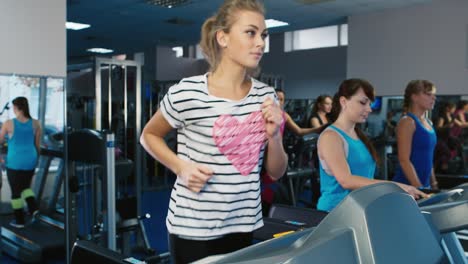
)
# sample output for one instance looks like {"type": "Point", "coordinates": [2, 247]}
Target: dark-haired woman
{"type": "Point", "coordinates": [346, 156]}
{"type": "Point", "coordinates": [446, 146]}
{"type": "Point", "coordinates": [320, 111]}
{"type": "Point", "coordinates": [460, 121]}
{"type": "Point", "coordinates": [24, 135]}
{"type": "Point", "coordinates": [268, 184]}
{"type": "Point", "coordinates": [445, 119]}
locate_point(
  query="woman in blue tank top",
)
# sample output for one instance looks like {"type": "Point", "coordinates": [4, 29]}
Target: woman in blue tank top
{"type": "Point", "coordinates": [347, 157]}
{"type": "Point", "coordinates": [416, 137]}
{"type": "Point", "coordinates": [23, 135]}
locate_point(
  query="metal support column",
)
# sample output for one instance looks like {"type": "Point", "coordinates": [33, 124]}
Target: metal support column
{"type": "Point", "coordinates": [110, 193]}
{"type": "Point", "coordinates": [97, 80]}
{"type": "Point", "coordinates": [138, 149]}
{"type": "Point", "coordinates": [42, 100]}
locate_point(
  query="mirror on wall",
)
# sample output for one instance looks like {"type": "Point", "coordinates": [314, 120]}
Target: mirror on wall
{"type": "Point", "coordinates": [45, 228]}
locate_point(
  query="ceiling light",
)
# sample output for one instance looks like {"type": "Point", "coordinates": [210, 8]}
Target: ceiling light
{"type": "Point", "coordinates": [100, 50]}
{"type": "Point", "coordinates": [76, 26]}
{"type": "Point", "coordinates": [168, 3]}
{"type": "Point", "coordinates": [271, 23]}
{"type": "Point", "coordinates": [310, 2]}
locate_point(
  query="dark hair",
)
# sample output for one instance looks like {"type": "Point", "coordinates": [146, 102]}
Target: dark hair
{"type": "Point", "coordinates": [319, 101]}
{"type": "Point", "coordinates": [347, 89]}
{"type": "Point", "coordinates": [22, 104]}
{"type": "Point", "coordinates": [415, 87]}
{"type": "Point", "coordinates": [223, 20]}
{"type": "Point", "coordinates": [446, 106]}
{"type": "Point", "coordinates": [279, 90]}
{"type": "Point", "coordinates": [461, 104]}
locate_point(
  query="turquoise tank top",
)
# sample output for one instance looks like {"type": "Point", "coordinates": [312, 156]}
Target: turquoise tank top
{"type": "Point", "coordinates": [360, 163]}
{"type": "Point", "coordinates": [422, 154]}
{"type": "Point", "coordinates": [22, 153]}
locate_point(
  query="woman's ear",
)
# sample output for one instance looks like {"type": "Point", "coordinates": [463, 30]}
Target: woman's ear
{"type": "Point", "coordinates": [343, 102]}
{"type": "Point", "coordinates": [222, 38]}
{"type": "Point", "coordinates": [414, 98]}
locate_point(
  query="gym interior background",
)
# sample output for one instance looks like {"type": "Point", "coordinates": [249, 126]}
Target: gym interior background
{"type": "Point", "coordinates": [71, 89]}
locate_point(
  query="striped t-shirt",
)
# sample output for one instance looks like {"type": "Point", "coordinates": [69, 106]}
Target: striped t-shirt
{"type": "Point", "coordinates": [227, 136]}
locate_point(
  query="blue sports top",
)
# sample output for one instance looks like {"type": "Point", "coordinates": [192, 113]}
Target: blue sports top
{"type": "Point", "coordinates": [22, 153]}
{"type": "Point", "coordinates": [360, 163]}
{"type": "Point", "coordinates": [422, 153]}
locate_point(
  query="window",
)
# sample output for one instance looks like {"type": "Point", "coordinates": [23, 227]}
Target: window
{"type": "Point", "coordinates": [199, 54]}
{"type": "Point", "coordinates": [313, 38]}
{"type": "Point", "coordinates": [267, 44]}
{"type": "Point", "coordinates": [54, 113]}
{"type": "Point", "coordinates": [179, 51]}
{"type": "Point", "coordinates": [344, 35]}
{"type": "Point", "coordinates": [12, 86]}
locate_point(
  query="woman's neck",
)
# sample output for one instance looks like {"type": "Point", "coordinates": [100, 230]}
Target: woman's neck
{"type": "Point", "coordinates": [22, 118]}
{"type": "Point", "coordinates": [231, 75]}
{"type": "Point", "coordinates": [321, 113]}
{"type": "Point", "coordinates": [229, 81]}
{"type": "Point", "coordinates": [345, 125]}
{"type": "Point", "coordinates": [417, 111]}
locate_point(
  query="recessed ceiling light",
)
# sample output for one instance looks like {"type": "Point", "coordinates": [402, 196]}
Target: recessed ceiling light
{"type": "Point", "coordinates": [100, 50]}
{"type": "Point", "coordinates": [76, 26]}
{"type": "Point", "coordinates": [168, 3]}
{"type": "Point", "coordinates": [271, 23]}
{"type": "Point", "coordinates": [310, 2]}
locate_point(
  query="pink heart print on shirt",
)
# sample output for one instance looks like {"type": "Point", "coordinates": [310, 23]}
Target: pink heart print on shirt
{"type": "Point", "coordinates": [240, 142]}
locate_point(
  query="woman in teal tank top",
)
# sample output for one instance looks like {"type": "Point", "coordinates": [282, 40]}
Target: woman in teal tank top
{"type": "Point", "coordinates": [346, 156]}
{"type": "Point", "coordinates": [416, 137]}
{"type": "Point", "coordinates": [23, 135]}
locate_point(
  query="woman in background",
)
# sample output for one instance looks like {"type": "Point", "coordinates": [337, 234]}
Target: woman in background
{"type": "Point", "coordinates": [460, 121]}
{"type": "Point", "coordinates": [320, 111]}
{"type": "Point", "coordinates": [289, 122]}
{"type": "Point", "coordinates": [24, 137]}
{"type": "Point", "coordinates": [269, 186]}
{"type": "Point", "coordinates": [446, 147]}
{"type": "Point", "coordinates": [347, 157]}
{"type": "Point", "coordinates": [416, 137]}
{"type": "Point", "coordinates": [446, 116]}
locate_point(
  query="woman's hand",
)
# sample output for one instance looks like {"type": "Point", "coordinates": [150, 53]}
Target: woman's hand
{"type": "Point", "coordinates": [413, 191]}
{"type": "Point", "coordinates": [194, 175]}
{"type": "Point", "coordinates": [273, 116]}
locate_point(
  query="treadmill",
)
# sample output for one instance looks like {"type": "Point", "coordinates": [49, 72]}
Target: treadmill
{"type": "Point", "coordinates": [378, 223]}
{"type": "Point", "coordinates": [448, 210]}
{"type": "Point", "coordinates": [44, 237]}
{"type": "Point", "coordinates": [285, 219]}
{"type": "Point", "coordinates": [32, 243]}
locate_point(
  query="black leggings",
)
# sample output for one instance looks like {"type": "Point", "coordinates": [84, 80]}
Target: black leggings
{"type": "Point", "coordinates": [19, 180]}
{"type": "Point", "coordinates": [186, 251]}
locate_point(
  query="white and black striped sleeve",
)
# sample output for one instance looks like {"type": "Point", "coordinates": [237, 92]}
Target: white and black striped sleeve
{"type": "Point", "coordinates": [170, 110]}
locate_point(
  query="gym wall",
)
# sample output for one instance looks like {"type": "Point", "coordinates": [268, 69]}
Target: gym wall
{"type": "Point", "coordinates": [307, 73]}
{"type": "Point", "coordinates": [33, 37]}
{"type": "Point", "coordinates": [426, 41]}
{"type": "Point", "coordinates": [168, 67]}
